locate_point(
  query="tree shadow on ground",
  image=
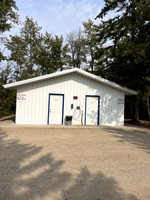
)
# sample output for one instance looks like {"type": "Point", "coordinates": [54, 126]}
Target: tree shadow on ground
{"type": "Point", "coordinates": [28, 175]}
{"type": "Point", "coordinates": [137, 136]}
{"type": "Point", "coordinates": [31, 179]}
{"type": "Point", "coordinates": [95, 187]}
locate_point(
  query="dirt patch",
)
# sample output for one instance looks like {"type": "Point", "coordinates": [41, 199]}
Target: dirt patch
{"type": "Point", "coordinates": [74, 163]}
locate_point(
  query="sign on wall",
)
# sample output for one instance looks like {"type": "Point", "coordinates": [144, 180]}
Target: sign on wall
{"type": "Point", "coordinates": [21, 96]}
{"type": "Point", "coordinates": [120, 101]}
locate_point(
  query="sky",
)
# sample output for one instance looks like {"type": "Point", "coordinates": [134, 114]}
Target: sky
{"type": "Point", "coordinates": [59, 17]}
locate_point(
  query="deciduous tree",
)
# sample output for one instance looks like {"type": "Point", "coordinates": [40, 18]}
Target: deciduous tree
{"type": "Point", "coordinates": [76, 48]}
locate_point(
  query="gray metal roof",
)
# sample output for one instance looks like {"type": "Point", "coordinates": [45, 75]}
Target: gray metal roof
{"type": "Point", "coordinates": [65, 72]}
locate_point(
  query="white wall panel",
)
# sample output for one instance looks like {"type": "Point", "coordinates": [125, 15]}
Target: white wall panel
{"type": "Point", "coordinates": [34, 110]}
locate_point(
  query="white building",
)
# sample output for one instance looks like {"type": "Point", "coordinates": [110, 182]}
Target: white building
{"type": "Point", "coordinates": [72, 96]}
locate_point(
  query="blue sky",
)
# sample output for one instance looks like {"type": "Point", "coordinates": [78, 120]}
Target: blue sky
{"type": "Point", "coordinates": [59, 16]}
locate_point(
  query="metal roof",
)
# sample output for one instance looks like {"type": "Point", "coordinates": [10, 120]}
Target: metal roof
{"type": "Point", "coordinates": [65, 72]}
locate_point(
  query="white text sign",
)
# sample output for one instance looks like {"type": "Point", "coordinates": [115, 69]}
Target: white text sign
{"type": "Point", "coordinates": [120, 101]}
{"type": "Point", "coordinates": [21, 96]}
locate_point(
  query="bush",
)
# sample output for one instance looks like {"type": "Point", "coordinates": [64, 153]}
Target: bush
{"type": "Point", "coordinates": [7, 101]}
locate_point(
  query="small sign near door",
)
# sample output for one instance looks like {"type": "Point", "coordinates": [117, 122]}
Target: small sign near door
{"type": "Point", "coordinates": [21, 96]}
{"type": "Point", "coordinates": [75, 97]}
{"type": "Point", "coordinates": [120, 101]}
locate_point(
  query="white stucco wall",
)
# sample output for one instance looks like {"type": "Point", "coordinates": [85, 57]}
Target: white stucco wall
{"type": "Point", "coordinates": [34, 109]}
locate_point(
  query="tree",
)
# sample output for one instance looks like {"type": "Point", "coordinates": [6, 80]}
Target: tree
{"type": "Point", "coordinates": [30, 34]}
{"type": "Point", "coordinates": [76, 48]}
{"type": "Point", "coordinates": [8, 16]}
{"type": "Point", "coordinates": [24, 48]}
{"type": "Point", "coordinates": [51, 54]}
{"type": "Point", "coordinates": [43, 55]}
{"type": "Point", "coordinates": [17, 47]}
{"type": "Point", "coordinates": [35, 53]}
{"type": "Point", "coordinates": [59, 52]}
{"type": "Point", "coordinates": [7, 101]}
{"type": "Point", "coordinates": [7, 97]}
{"type": "Point", "coordinates": [128, 33]}
{"type": "Point", "coordinates": [90, 42]}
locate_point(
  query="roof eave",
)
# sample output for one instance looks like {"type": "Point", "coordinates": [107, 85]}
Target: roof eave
{"type": "Point", "coordinates": [81, 72]}
{"type": "Point", "coordinates": [109, 83]}
{"type": "Point", "coordinates": [36, 79]}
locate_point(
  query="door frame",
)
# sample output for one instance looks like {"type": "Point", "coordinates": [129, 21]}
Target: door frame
{"type": "Point", "coordinates": [98, 107]}
{"type": "Point", "coordinates": [56, 94]}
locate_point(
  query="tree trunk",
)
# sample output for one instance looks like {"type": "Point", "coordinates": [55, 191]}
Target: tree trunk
{"type": "Point", "coordinates": [136, 111]}
{"type": "Point", "coordinates": [92, 60]}
{"type": "Point", "coordinates": [148, 106]}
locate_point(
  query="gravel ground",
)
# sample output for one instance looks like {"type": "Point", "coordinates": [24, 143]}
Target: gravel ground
{"type": "Point", "coordinates": [74, 162]}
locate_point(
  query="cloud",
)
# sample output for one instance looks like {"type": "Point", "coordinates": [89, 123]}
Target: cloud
{"type": "Point", "coordinates": [59, 16]}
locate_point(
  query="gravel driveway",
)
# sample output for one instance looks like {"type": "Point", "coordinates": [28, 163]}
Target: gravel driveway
{"type": "Point", "coordinates": [74, 162]}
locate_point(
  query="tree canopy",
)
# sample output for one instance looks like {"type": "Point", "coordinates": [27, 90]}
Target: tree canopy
{"type": "Point", "coordinates": [8, 17]}
{"type": "Point", "coordinates": [127, 42]}
{"type": "Point", "coordinates": [128, 33]}
{"type": "Point", "coordinates": [8, 14]}
{"type": "Point", "coordinates": [117, 49]}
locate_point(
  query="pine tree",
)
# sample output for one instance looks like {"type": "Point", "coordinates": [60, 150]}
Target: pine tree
{"type": "Point", "coordinates": [23, 49]}
{"type": "Point", "coordinates": [127, 40]}
{"type": "Point", "coordinates": [30, 34]}
{"type": "Point", "coordinates": [17, 47]}
{"type": "Point", "coordinates": [8, 14]}
{"type": "Point", "coordinates": [91, 43]}
{"type": "Point", "coordinates": [8, 17]}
